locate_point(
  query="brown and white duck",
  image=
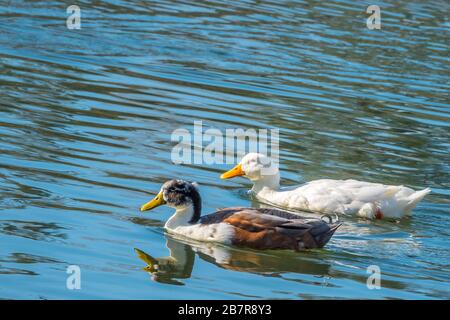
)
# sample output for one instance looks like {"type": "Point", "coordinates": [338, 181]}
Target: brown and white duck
{"type": "Point", "coordinates": [250, 227]}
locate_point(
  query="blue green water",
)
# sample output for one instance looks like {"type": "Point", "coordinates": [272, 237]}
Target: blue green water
{"type": "Point", "coordinates": [86, 118]}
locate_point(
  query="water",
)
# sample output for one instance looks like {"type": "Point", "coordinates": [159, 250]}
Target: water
{"type": "Point", "coordinates": [86, 117]}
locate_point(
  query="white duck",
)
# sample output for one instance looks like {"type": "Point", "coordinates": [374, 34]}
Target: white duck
{"type": "Point", "coordinates": [350, 197]}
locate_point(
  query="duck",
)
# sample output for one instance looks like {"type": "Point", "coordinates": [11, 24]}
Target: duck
{"type": "Point", "coordinates": [239, 226]}
{"type": "Point", "coordinates": [326, 196]}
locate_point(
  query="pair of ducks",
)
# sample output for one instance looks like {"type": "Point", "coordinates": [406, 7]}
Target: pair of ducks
{"type": "Point", "coordinates": [277, 229]}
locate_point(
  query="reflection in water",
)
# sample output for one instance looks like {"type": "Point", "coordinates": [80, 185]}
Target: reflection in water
{"type": "Point", "coordinates": [178, 265]}
{"type": "Point", "coordinates": [16, 271]}
{"type": "Point", "coordinates": [32, 229]}
{"type": "Point", "coordinates": [180, 262]}
{"type": "Point", "coordinates": [23, 258]}
{"type": "Point", "coordinates": [20, 257]}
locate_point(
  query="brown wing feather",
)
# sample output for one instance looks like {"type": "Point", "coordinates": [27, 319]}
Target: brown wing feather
{"type": "Point", "coordinates": [272, 229]}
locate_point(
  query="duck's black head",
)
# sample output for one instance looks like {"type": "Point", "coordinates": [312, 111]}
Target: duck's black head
{"type": "Point", "coordinates": [178, 194]}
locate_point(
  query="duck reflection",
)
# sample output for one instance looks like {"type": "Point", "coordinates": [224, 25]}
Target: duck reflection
{"type": "Point", "coordinates": [178, 265]}
{"type": "Point", "coordinates": [180, 262]}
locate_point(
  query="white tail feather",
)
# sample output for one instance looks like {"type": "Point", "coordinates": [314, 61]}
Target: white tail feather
{"type": "Point", "coordinates": [415, 198]}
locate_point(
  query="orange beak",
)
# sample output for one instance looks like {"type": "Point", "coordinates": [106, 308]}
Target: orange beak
{"type": "Point", "coordinates": [235, 172]}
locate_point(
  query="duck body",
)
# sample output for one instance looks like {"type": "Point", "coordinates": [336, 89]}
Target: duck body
{"type": "Point", "coordinates": [250, 227]}
{"type": "Point", "coordinates": [347, 197]}
{"type": "Point", "coordinates": [258, 229]}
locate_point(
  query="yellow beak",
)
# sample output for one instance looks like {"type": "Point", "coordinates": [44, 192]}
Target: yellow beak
{"type": "Point", "coordinates": [156, 202]}
{"type": "Point", "coordinates": [235, 172]}
{"type": "Point", "coordinates": [152, 263]}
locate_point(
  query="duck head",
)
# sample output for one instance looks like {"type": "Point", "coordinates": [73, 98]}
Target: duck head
{"type": "Point", "coordinates": [257, 167]}
{"type": "Point", "coordinates": [181, 195]}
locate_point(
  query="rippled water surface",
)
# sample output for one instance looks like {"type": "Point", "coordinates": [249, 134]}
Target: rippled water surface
{"type": "Point", "coordinates": [86, 118]}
